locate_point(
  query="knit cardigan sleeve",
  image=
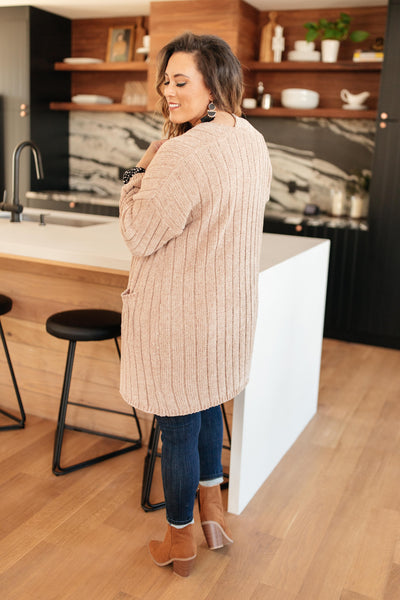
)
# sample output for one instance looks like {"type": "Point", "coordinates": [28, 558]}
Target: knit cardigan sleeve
{"type": "Point", "coordinates": [155, 207]}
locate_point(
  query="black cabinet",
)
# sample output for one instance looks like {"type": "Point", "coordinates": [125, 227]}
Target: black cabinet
{"type": "Point", "coordinates": [31, 41]}
{"type": "Point", "coordinates": [363, 295]}
{"type": "Point", "coordinates": [348, 243]}
{"type": "Point", "coordinates": [380, 319]}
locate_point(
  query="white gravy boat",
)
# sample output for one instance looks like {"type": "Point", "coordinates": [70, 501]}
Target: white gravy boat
{"type": "Point", "coordinates": [354, 99]}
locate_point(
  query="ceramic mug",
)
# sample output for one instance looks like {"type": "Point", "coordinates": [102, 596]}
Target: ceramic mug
{"type": "Point", "coordinates": [354, 99]}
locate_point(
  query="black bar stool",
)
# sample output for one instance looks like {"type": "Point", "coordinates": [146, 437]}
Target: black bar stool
{"type": "Point", "coordinates": [153, 454]}
{"type": "Point", "coordinates": [85, 325]}
{"type": "Point", "coordinates": [5, 307]}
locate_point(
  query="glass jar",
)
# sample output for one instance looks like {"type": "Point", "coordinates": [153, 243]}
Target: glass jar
{"type": "Point", "coordinates": [338, 201]}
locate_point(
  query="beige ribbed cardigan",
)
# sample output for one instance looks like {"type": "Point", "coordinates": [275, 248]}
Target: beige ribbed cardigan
{"type": "Point", "coordinates": [193, 224]}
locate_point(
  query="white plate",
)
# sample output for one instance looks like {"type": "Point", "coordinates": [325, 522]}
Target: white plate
{"type": "Point", "coordinates": [82, 61]}
{"type": "Point", "coordinates": [354, 107]}
{"type": "Point", "coordinates": [143, 50]}
{"type": "Point", "coordinates": [91, 99]}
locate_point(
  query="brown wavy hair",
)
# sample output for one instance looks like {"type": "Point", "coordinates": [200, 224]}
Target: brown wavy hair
{"type": "Point", "coordinates": [221, 71]}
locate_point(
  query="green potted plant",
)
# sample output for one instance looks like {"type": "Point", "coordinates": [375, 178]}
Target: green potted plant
{"type": "Point", "coordinates": [333, 32]}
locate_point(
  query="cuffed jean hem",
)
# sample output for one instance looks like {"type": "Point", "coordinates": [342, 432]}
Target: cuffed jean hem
{"type": "Point", "coordinates": [211, 477]}
{"type": "Point", "coordinates": [179, 523]}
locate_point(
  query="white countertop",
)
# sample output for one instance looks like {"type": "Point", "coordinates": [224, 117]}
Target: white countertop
{"type": "Point", "coordinates": [101, 245]}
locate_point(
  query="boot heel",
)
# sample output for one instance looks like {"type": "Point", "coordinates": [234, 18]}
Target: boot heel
{"type": "Point", "coordinates": [213, 535]}
{"type": "Point", "coordinates": [183, 567]}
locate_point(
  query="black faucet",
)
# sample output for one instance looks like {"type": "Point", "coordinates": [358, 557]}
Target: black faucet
{"type": "Point", "coordinates": [15, 207]}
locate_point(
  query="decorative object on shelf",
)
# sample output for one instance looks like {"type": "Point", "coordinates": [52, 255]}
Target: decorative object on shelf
{"type": "Point", "coordinates": [266, 101]}
{"type": "Point", "coordinates": [265, 53]}
{"type": "Point", "coordinates": [278, 43]}
{"type": "Point", "coordinates": [260, 93]}
{"type": "Point", "coordinates": [140, 43]}
{"type": "Point", "coordinates": [304, 51]}
{"type": "Point", "coordinates": [91, 99]}
{"type": "Point", "coordinates": [354, 101]}
{"type": "Point", "coordinates": [333, 32]}
{"type": "Point", "coordinates": [145, 49]}
{"type": "Point", "coordinates": [367, 56]}
{"type": "Point", "coordinates": [135, 92]}
{"type": "Point", "coordinates": [378, 44]}
{"type": "Point", "coordinates": [249, 103]}
{"type": "Point", "coordinates": [120, 44]}
{"type": "Point", "coordinates": [299, 98]}
{"type": "Point", "coordinates": [330, 50]}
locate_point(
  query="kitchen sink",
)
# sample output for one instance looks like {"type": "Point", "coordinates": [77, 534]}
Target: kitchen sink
{"type": "Point", "coordinates": [55, 219]}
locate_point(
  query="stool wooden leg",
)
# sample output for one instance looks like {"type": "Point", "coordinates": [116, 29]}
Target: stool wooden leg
{"type": "Point", "coordinates": [19, 422]}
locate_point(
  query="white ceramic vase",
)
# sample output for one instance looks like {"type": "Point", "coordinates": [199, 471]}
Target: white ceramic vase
{"type": "Point", "coordinates": [329, 50]}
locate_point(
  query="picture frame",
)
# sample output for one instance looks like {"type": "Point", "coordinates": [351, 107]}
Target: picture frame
{"type": "Point", "coordinates": [121, 41]}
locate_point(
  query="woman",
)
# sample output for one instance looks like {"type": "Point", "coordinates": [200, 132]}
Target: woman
{"type": "Point", "coordinates": [191, 214]}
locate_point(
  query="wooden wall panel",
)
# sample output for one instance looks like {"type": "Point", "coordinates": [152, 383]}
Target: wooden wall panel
{"type": "Point", "coordinates": [248, 24]}
{"type": "Point", "coordinates": [112, 85]}
{"type": "Point", "coordinates": [223, 18]}
{"type": "Point", "coordinates": [90, 39]}
{"type": "Point", "coordinates": [38, 289]}
{"type": "Point", "coordinates": [90, 36]}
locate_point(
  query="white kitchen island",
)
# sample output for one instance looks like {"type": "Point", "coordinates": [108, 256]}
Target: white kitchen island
{"type": "Point", "coordinates": [282, 394]}
{"type": "Point", "coordinates": [51, 267]}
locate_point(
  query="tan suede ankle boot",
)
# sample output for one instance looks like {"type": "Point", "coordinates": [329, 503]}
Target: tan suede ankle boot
{"type": "Point", "coordinates": [179, 548]}
{"type": "Point", "coordinates": [212, 519]}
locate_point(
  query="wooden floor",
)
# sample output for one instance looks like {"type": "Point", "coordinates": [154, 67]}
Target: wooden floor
{"type": "Point", "coordinates": [325, 525]}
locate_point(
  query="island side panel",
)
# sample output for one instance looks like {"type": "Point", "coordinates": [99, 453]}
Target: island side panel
{"type": "Point", "coordinates": [282, 393]}
{"type": "Point", "coordinates": [38, 289]}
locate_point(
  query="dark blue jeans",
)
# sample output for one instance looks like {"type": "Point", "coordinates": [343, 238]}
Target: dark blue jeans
{"type": "Point", "coordinates": [191, 452]}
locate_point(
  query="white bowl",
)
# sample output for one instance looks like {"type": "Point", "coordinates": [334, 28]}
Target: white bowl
{"type": "Point", "coordinates": [299, 98]}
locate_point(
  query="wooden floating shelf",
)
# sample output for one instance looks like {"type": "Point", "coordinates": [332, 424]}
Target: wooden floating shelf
{"type": "Point", "coordinates": [313, 66]}
{"type": "Point", "coordinates": [105, 66]}
{"type": "Point", "coordinates": [332, 113]}
{"type": "Point", "coordinates": [129, 108]}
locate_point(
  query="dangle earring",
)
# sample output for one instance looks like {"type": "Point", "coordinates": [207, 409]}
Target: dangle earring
{"type": "Point", "coordinates": [211, 112]}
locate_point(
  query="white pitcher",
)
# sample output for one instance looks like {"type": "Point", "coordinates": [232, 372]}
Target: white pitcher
{"type": "Point", "coordinates": [354, 99]}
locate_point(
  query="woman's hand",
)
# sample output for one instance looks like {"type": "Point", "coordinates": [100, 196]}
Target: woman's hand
{"type": "Point", "coordinates": [150, 153]}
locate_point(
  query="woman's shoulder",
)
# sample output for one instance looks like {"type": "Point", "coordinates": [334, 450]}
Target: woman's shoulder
{"type": "Point", "coordinates": [201, 138]}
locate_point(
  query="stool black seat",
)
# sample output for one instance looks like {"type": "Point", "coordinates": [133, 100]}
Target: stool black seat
{"type": "Point", "coordinates": [19, 422]}
{"type": "Point", "coordinates": [86, 325]}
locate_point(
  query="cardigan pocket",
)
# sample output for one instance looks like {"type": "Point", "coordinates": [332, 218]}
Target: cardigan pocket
{"type": "Point", "coordinates": [128, 309]}
{"type": "Point", "coordinates": [128, 362]}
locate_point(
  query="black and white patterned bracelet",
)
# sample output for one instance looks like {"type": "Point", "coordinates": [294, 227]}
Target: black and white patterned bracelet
{"type": "Point", "coordinates": [131, 172]}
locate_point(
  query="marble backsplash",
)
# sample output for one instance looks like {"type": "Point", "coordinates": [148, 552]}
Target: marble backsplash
{"type": "Point", "coordinates": [102, 144]}
{"type": "Point", "coordinates": [309, 156]}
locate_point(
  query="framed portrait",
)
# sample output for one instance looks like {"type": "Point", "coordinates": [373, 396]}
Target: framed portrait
{"type": "Point", "coordinates": [120, 44]}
